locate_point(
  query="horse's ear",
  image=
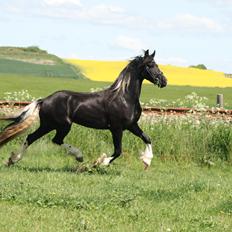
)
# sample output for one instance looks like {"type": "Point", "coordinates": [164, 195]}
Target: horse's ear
{"type": "Point", "coordinates": [153, 54]}
{"type": "Point", "coordinates": [146, 53]}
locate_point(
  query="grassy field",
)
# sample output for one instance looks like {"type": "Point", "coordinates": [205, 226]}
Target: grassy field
{"type": "Point", "coordinates": [32, 54]}
{"type": "Point", "coordinates": [168, 197]}
{"type": "Point", "coordinates": [35, 62]}
{"type": "Point", "coordinates": [178, 76]}
{"type": "Point", "coordinates": [41, 70]}
{"type": "Point", "coordinates": [182, 190]}
{"type": "Point", "coordinates": [187, 188]}
{"type": "Point", "coordinates": [41, 87]}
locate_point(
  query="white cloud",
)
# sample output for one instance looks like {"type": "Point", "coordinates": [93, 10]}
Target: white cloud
{"type": "Point", "coordinates": [110, 14]}
{"type": "Point", "coordinates": [178, 61]}
{"type": "Point", "coordinates": [62, 2]}
{"type": "Point", "coordinates": [221, 1]}
{"type": "Point", "coordinates": [214, 2]}
{"type": "Point", "coordinates": [105, 14]}
{"type": "Point", "coordinates": [130, 43]}
{"type": "Point", "coordinates": [191, 22]}
{"type": "Point", "coordinates": [101, 13]}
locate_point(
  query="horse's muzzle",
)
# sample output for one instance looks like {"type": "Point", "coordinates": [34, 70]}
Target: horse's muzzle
{"type": "Point", "coordinates": [161, 81]}
{"type": "Point", "coordinates": [164, 83]}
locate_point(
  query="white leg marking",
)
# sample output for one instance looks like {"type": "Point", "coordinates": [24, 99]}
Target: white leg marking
{"type": "Point", "coordinates": [147, 155]}
{"type": "Point", "coordinates": [103, 160]}
{"type": "Point", "coordinates": [15, 157]}
{"type": "Point", "coordinates": [106, 161]}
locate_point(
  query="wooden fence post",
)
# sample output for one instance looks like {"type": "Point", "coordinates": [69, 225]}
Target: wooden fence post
{"type": "Point", "coordinates": [220, 101]}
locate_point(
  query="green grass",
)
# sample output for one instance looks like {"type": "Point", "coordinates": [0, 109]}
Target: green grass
{"type": "Point", "coordinates": [168, 197]}
{"type": "Point", "coordinates": [172, 93]}
{"type": "Point", "coordinates": [41, 87]}
{"type": "Point", "coordinates": [32, 52]}
{"type": "Point", "coordinates": [47, 190]}
{"type": "Point", "coordinates": [35, 62]}
{"type": "Point", "coordinates": [41, 70]}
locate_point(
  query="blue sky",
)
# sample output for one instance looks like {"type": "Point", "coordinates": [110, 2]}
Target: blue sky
{"type": "Point", "coordinates": [183, 32]}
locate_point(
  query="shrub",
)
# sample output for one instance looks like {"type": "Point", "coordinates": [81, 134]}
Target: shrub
{"type": "Point", "coordinates": [34, 49]}
{"type": "Point", "coordinates": [199, 66]}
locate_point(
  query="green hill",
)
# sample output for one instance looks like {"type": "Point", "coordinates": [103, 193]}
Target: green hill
{"type": "Point", "coordinates": [34, 61]}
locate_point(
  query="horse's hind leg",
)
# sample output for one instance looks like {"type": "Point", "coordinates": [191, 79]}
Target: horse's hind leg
{"type": "Point", "coordinates": [61, 132]}
{"type": "Point", "coordinates": [16, 156]}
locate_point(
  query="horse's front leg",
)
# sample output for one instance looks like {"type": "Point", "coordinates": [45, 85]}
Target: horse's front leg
{"type": "Point", "coordinates": [117, 140]}
{"type": "Point", "coordinates": [147, 155]}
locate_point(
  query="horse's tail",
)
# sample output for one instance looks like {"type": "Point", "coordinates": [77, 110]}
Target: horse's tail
{"type": "Point", "coordinates": [21, 122]}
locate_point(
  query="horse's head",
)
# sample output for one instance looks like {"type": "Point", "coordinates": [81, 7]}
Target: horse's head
{"type": "Point", "coordinates": [151, 71]}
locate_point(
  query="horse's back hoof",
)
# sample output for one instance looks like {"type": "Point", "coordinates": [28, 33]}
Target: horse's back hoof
{"type": "Point", "coordinates": [8, 163]}
{"type": "Point", "coordinates": [80, 159]}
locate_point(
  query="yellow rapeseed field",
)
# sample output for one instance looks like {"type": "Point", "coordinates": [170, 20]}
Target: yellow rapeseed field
{"type": "Point", "coordinates": [109, 71]}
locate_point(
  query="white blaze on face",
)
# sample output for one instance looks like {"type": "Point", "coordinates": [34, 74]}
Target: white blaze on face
{"type": "Point", "coordinates": [147, 155]}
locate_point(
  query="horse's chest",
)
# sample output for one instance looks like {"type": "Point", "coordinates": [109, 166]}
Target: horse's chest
{"type": "Point", "coordinates": [124, 112]}
{"type": "Point", "coordinates": [133, 114]}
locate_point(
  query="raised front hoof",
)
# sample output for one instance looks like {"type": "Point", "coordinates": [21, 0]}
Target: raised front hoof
{"type": "Point", "coordinates": [146, 166]}
{"type": "Point", "coordinates": [146, 162]}
{"type": "Point", "coordinates": [80, 159]}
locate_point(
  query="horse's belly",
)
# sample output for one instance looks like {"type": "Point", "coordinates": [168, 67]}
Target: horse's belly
{"type": "Point", "coordinates": [91, 118]}
{"type": "Point", "coordinates": [92, 123]}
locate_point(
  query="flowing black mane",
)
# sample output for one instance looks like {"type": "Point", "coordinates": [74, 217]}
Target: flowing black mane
{"type": "Point", "coordinates": [116, 109]}
{"type": "Point", "coordinates": [122, 82]}
{"type": "Point", "coordinates": [123, 79]}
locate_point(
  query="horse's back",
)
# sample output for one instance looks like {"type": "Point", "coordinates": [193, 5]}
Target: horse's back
{"type": "Point", "coordinates": [86, 109]}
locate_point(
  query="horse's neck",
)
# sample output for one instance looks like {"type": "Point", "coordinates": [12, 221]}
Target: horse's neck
{"type": "Point", "coordinates": [134, 88]}
{"type": "Point", "coordinates": [127, 85]}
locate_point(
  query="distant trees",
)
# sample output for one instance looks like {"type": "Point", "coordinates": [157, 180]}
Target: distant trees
{"type": "Point", "coordinates": [199, 66]}
{"type": "Point", "coordinates": [34, 49]}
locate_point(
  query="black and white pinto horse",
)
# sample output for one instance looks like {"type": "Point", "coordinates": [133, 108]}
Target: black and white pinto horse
{"type": "Point", "coordinates": [116, 108]}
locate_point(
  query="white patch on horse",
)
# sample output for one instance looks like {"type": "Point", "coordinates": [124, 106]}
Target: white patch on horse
{"type": "Point", "coordinates": [30, 109]}
{"type": "Point", "coordinates": [68, 119]}
{"type": "Point", "coordinates": [15, 157]}
{"type": "Point", "coordinates": [103, 160]}
{"type": "Point", "coordinates": [147, 155]}
{"type": "Point", "coordinates": [106, 161]}
{"type": "Point", "coordinates": [118, 85]}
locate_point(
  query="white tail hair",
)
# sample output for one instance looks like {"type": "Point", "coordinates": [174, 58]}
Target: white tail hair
{"type": "Point", "coordinates": [21, 121]}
